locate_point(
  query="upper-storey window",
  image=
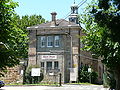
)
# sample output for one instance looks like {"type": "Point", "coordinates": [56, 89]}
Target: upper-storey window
{"type": "Point", "coordinates": [49, 41]}
{"type": "Point", "coordinates": [57, 41]}
{"type": "Point", "coordinates": [42, 41]}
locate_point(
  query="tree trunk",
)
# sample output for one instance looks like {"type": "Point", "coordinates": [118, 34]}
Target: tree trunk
{"type": "Point", "coordinates": [117, 77]}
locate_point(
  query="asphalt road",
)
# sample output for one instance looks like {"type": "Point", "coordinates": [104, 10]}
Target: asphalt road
{"type": "Point", "coordinates": [63, 87]}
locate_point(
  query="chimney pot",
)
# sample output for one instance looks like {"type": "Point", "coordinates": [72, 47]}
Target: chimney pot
{"type": "Point", "coordinates": [53, 23]}
{"type": "Point", "coordinates": [53, 16]}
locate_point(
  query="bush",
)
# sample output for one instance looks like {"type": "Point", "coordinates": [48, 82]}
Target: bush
{"type": "Point", "coordinates": [94, 76]}
{"type": "Point", "coordinates": [84, 75]}
{"type": "Point", "coordinates": [111, 79]}
{"type": "Point", "coordinates": [29, 79]}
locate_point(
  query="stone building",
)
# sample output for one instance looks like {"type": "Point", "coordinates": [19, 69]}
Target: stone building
{"type": "Point", "coordinates": [55, 47]}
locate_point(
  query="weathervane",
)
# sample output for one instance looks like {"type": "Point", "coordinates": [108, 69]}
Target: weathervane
{"type": "Point", "coordinates": [74, 1]}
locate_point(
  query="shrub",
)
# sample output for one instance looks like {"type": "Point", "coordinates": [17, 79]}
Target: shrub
{"type": "Point", "coordinates": [85, 76]}
{"type": "Point", "coordinates": [94, 76]}
{"type": "Point", "coordinates": [29, 79]}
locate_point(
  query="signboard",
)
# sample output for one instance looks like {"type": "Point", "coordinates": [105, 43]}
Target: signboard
{"type": "Point", "coordinates": [73, 74]}
{"type": "Point", "coordinates": [51, 73]}
{"type": "Point", "coordinates": [75, 50]}
{"type": "Point", "coordinates": [35, 72]}
{"type": "Point", "coordinates": [89, 69]}
{"type": "Point", "coordinates": [21, 72]}
{"type": "Point", "coordinates": [49, 56]}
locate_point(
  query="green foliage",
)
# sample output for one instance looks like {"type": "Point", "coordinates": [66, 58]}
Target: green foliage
{"type": "Point", "coordinates": [111, 79]}
{"type": "Point", "coordinates": [7, 52]}
{"type": "Point", "coordinates": [102, 39]}
{"type": "Point", "coordinates": [102, 22]}
{"type": "Point", "coordinates": [22, 24]}
{"type": "Point", "coordinates": [85, 76]}
{"type": "Point", "coordinates": [13, 34]}
{"type": "Point", "coordinates": [29, 79]}
{"type": "Point", "coordinates": [94, 76]}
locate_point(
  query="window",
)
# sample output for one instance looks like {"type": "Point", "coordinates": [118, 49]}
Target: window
{"type": "Point", "coordinates": [42, 41]}
{"type": "Point", "coordinates": [42, 64]}
{"type": "Point", "coordinates": [56, 65]}
{"type": "Point", "coordinates": [49, 65]}
{"type": "Point", "coordinates": [57, 41]}
{"type": "Point", "coordinates": [49, 41]}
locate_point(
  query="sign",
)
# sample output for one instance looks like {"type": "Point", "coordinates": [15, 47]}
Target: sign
{"type": "Point", "coordinates": [35, 72]}
{"type": "Point", "coordinates": [49, 56]}
{"type": "Point", "coordinates": [89, 69]}
{"type": "Point", "coordinates": [21, 72]}
{"type": "Point", "coordinates": [75, 50]}
{"type": "Point", "coordinates": [73, 74]}
{"type": "Point", "coordinates": [51, 73]}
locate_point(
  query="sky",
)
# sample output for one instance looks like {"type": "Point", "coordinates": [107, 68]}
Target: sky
{"type": "Point", "coordinates": [45, 7]}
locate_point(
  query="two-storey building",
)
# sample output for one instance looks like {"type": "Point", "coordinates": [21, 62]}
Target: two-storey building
{"type": "Point", "coordinates": [55, 47]}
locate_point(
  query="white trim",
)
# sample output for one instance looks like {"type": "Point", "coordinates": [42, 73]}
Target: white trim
{"type": "Point", "coordinates": [51, 41]}
{"type": "Point", "coordinates": [55, 39]}
{"type": "Point", "coordinates": [41, 41]}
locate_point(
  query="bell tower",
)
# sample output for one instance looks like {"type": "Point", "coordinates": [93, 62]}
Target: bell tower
{"type": "Point", "coordinates": [73, 17]}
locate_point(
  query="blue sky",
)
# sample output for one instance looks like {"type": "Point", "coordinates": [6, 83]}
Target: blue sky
{"type": "Point", "coordinates": [45, 7]}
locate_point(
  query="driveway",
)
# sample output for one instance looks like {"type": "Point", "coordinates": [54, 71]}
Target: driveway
{"type": "Point", "coordinates": [63, 87]}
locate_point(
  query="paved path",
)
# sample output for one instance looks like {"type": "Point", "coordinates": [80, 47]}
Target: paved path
{"type": "Point", "coordinates": [64, 87]}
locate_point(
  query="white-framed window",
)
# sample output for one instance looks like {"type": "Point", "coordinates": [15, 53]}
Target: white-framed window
{"type": "Point", "coordinates": [56, 65]}
{"type": "Point", "coordinates": [49, 65]}
{"type": "Point", "coordinates": [57, 41]}
{"type": "Point", "coordinates": [42, 41]}
{"type": "Point", "coordinates": [49, 41]}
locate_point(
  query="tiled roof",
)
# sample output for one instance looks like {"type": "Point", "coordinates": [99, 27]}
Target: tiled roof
{"type": "Point", "coordinates": [59, 23]}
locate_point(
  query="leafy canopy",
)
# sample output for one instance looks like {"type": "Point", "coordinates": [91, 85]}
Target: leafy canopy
{"type": "Point", "coordinates": [101, 20]}
{"type": "Point", "coordinates": [7, 52]}
{"type": "Point", "coordinates": [13, 34]}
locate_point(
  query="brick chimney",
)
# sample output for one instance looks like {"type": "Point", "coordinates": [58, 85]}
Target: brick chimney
{"type": "Point", "coordinates": [53, 23]}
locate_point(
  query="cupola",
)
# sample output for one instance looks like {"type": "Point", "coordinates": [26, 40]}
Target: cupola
{"type": "Point", "coordinates": [73, 17]}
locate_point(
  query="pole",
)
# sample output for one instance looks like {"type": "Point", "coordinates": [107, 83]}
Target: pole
{"type": "Point", "coordinates": [24, 77]}
{"type": "Point", "coordinates": [90, 77]}
{"type": "Point", "coordinates": [60, 80]}
{"type": "Point", "coordinates": [71, 40]}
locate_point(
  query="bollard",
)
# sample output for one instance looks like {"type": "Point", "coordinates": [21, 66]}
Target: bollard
{"type": "Point", "coordinates": [60, 80]}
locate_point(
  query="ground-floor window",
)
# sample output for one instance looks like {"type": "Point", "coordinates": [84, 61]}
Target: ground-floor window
{"type": "Point", "coordinates": [49, 65]}
{"type": "Point", "coordinates": [56, 65]}
{"type": "Point", "coordinates": [42, 64]}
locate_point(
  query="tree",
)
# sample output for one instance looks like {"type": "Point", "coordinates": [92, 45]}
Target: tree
{"type": "Point", "coordinates": [102, 22]}
{"type": "Point", "coordinates": [7, 53]}
{"type": "Point", "coordinates": [13, 34]}
{"type": "Point", "coordinates": [22, 24]}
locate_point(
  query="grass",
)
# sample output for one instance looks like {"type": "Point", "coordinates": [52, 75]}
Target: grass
{"type": "Point", "coordinates": [39, 84]}
{"type": "Point", "coordinates": [81, 83]}
{"type": "Point", "coordinates": [47, 84]}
